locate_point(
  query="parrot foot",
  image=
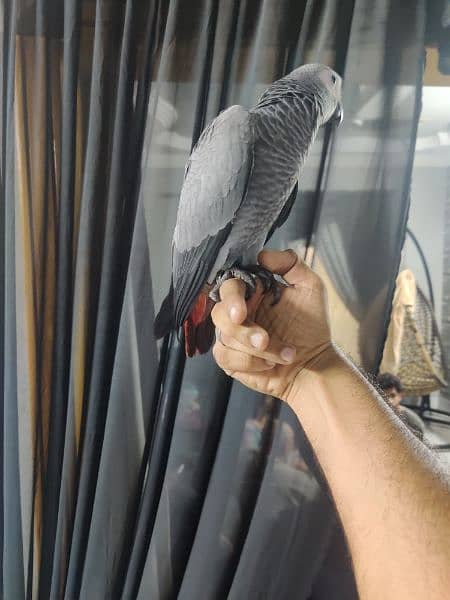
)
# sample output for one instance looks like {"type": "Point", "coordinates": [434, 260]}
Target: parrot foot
{"type": "Point", "coordinates": [269, 282]}
{"type": "Point", "coordinates": [249, 276]}
{"type": "Point", "coordinates": [235, 273]}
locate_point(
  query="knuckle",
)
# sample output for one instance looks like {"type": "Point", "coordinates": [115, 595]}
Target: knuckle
{"type": "Point", "coordinates": [320, 284]}
{"type": "Point", "coordinates": [247, 362]}
{"type": "Point", "coordinates": [226, 339]}
{"type": "Point", "coordinates": [217, 352]}
{"type": "Point", "coordinates": [215, 312]}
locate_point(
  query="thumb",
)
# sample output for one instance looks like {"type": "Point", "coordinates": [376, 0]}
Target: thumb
{"type": "Point", "coordinates": [287, 264]}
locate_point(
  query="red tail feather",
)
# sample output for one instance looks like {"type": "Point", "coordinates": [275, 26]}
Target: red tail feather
{"type": "Point", "coordinates": [198, 327]}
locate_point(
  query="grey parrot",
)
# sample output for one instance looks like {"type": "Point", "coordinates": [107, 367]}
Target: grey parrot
{"type": "Point", "coordinates": [240, 184]}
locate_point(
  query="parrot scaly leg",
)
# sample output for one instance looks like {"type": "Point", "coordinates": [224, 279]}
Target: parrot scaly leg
{"type": "Point", "coordinates": [268, 280]}
{"type": "Point", "coordinates": [249, 276]}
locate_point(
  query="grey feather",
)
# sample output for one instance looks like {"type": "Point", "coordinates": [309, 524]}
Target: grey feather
{"type": "Point", "coordinates": [191, 271]}
{"type": "Point", "coordinates": [240, 179]}
{"type": "Point", "coordinates": [216, 178]}
{"type": "Point", "coordinates": [284, 132]}
{"type": "Point", "coordinates": [215, 184]}
{"type": "Point", "coordinates": [285, 212]}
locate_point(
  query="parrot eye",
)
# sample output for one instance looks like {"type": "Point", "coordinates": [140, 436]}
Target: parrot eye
{"type": "Point", "coordinates": [333, 79]}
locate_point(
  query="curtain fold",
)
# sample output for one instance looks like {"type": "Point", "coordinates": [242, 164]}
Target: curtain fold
{"type": "Point", "coordinates": [128, 472]}
{"type": "Point", "coordinates": [372, 210]}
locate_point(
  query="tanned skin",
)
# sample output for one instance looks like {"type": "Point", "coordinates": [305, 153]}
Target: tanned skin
{"type": "Point", "coordinates": [392, 493]}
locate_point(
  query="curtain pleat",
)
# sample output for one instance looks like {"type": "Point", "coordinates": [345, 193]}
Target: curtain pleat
{"type": "Point", "coordinates": [127, 471]}
{"type": "Point", "coordinates": [14, 503]}
{"type": "Point", "coordinates": [86, 289]}
{"type": "Point", "coordinates": [374, 209]}
{"type": "Point", "coordinates": [119, 219]}
{"type": "Point", "coordinates": [66, 184]}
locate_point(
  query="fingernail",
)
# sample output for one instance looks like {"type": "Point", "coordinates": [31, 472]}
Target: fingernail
{"type": "Point", "coordinates": [270, 363]}
{"type": "Point", "coordinates": [234, 314]}
{"type": "Point", "coordinates": [256, 340]}
{"type": "Point", "coordinates": [288, 354]}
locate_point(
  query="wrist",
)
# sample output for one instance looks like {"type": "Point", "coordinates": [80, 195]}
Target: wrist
{"type": "Point", "coordinates": [318, 368]}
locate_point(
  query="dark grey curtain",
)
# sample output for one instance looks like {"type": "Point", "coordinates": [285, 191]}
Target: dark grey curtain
{"type": "Point", "coordinates": [125, 472]}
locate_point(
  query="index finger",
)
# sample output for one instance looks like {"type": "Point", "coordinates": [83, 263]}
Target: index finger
{"type": "Point", "coordinates": [232, 294]}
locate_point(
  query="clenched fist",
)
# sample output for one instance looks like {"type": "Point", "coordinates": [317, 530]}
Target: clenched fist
{"type": "Point", "coordinates": [268, 347]}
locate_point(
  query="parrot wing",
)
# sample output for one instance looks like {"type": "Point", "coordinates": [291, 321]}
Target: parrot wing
{"type": "Point", "coordinates": [285, 212]}
{"type": "Point", "coordinates": [215, 184]}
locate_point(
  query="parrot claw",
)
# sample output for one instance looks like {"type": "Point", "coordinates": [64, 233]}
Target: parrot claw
{"type": "Point", "coordinates": [269, 282]}
{"type": "Point", "coordinates": [249, 276]}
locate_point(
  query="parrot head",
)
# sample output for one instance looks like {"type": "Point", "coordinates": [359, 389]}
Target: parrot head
{"type": "Point", "coordinates": [324, 84]}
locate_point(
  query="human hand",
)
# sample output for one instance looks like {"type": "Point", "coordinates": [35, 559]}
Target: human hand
{"type": "Point", "coordinates": [269, 348]}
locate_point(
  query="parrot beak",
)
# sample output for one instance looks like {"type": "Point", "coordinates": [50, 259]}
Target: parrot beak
{"type": "Point", "coordinates": [338, 114]}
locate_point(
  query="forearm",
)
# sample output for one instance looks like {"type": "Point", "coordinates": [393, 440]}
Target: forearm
{"type": "Point", "coordinates": [391, 493]}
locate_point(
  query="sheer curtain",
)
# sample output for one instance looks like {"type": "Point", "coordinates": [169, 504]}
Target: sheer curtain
{"type": "Point", "coordinates": [126, 472]}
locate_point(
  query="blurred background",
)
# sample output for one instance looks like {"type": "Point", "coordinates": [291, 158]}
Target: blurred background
{"type": "Point", "coordinates": [127, 471]}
